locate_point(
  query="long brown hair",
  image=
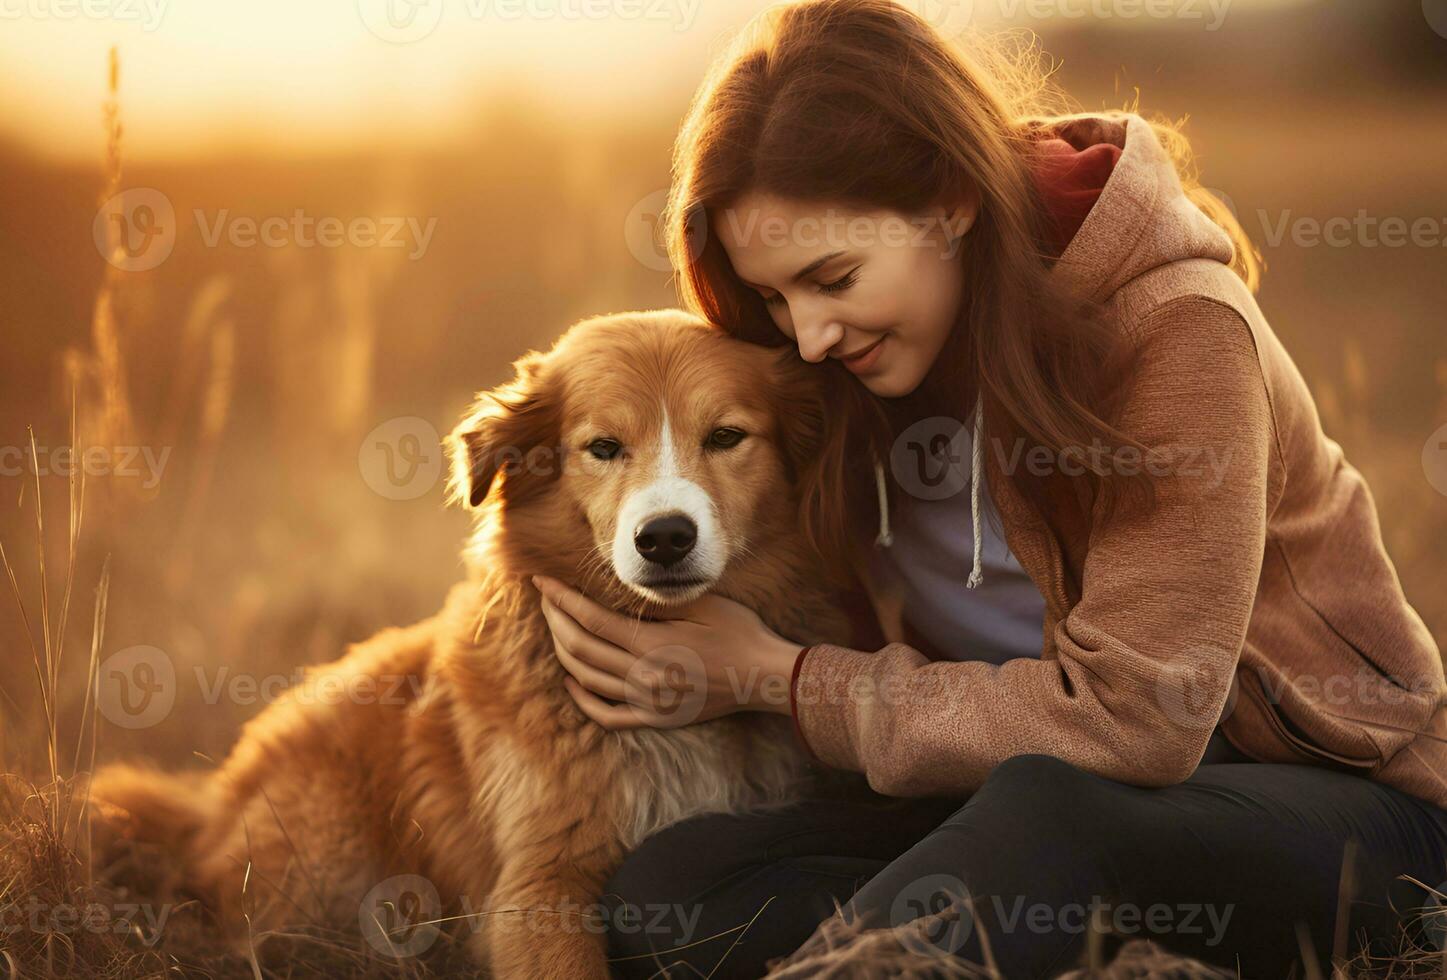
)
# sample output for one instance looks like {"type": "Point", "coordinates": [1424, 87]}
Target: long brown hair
{"type": "Point", "coordinates": [862, 102]}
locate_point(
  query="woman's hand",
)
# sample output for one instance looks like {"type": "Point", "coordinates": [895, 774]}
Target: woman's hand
{"type": "Point", "coordinates": [712, 657]}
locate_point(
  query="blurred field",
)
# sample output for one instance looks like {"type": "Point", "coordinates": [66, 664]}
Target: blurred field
{"type": "Point", "coordinates": [261, 370]}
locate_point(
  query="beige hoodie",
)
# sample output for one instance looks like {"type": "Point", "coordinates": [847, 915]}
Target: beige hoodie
{"type": "Point", "coordinates": [1257, 593]}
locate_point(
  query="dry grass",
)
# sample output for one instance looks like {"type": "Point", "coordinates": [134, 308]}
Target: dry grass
{"type": "Point", "coordinates": [128, 916]}
{"type": "Point", "coordinates": [840, 950]}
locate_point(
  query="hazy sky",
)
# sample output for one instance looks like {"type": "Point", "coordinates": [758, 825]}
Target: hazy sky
{"type": "Point", "coordinates": [289, 73]}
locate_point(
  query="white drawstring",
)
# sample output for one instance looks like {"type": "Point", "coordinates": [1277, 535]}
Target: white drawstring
{"type": "Point", "coordinates": [977, 460]}
{"type": "Point", "coordinates": [884, 538]}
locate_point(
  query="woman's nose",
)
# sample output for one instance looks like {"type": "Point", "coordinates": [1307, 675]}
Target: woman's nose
{"type": "Point", "coordinates": [816, 337]}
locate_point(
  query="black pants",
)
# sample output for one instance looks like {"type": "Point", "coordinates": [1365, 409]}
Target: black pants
{"type": "Point", "coordinates": [1230, 867]}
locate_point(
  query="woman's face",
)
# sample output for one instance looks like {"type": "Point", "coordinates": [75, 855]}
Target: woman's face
{"type": "Point", "coordinates": [882, 285]}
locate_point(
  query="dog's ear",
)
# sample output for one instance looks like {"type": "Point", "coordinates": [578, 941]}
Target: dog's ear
{"type": "Point", "coordinates": [800, 407]}
{"type": "Point", "coordinates": [513, 429]}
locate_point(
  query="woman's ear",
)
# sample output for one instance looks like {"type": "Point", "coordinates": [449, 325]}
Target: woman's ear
{"type": "Point", "coordinates": [958, 215]}
{"type": "Point", "coordinates": [513, 429]}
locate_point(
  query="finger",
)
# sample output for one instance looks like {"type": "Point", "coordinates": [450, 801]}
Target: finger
{"type": "Point", "coordinates": [582, 645]}
{"type": "Point", "coordinates": [611, 716]}
{"type": "Point", "coordinates": [591, 677]}
{"type": "Point", "coordinates": [622, 631]}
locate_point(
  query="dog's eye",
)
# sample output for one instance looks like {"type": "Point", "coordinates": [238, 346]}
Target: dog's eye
{"type": "Point", "coordinates": [725, 438]}
{"type": "Point", "coordinates": [604, 448]}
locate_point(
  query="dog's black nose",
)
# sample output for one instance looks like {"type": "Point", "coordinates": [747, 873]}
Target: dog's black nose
{"type": "Point", "coordinates": [665, 540]}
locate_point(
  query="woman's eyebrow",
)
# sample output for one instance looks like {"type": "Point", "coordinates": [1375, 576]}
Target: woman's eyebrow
{"type": "Point", "coordinates": [806, 270]}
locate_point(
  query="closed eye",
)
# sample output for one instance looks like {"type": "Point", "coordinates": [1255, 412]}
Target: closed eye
{"type": "Point", "coordinates": [838, 285]}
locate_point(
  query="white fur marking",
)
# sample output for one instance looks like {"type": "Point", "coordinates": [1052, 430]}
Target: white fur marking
{"type": "Point", "coordinates": [669, 492]}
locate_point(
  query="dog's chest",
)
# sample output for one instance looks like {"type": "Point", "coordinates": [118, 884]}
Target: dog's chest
{"type": "Point", "coordinates": [724, 766]}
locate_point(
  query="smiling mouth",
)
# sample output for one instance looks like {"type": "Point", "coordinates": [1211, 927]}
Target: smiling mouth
{"type": "Point", "coordinates": [861, 352]}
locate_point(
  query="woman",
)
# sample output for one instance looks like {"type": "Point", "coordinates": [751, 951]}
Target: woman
{"type": "Point", "coordinates": [1147, 662]}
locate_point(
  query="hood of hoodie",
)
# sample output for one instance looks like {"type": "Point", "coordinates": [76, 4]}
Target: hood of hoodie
{"type": "Point", "coordinates": [1069, 181]}
{"type": "Point", "coordinates": [1141, 217]}
{"type": "Point", "coordinates": [1117, 210]}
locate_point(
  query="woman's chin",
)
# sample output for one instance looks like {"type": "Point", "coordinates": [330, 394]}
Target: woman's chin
{"type": "Point", "coordinates": [890, 384]}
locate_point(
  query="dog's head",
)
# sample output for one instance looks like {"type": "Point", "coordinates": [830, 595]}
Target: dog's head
{"type": "Point", "coordinates": [648, 448]}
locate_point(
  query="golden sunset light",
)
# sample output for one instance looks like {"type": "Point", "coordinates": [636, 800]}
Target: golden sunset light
{"type": "Point", "coordinates": [642, 489]}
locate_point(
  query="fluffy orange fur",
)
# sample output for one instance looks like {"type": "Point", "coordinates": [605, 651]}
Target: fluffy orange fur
{"type": "Point", "coordinates": [471, 765]}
